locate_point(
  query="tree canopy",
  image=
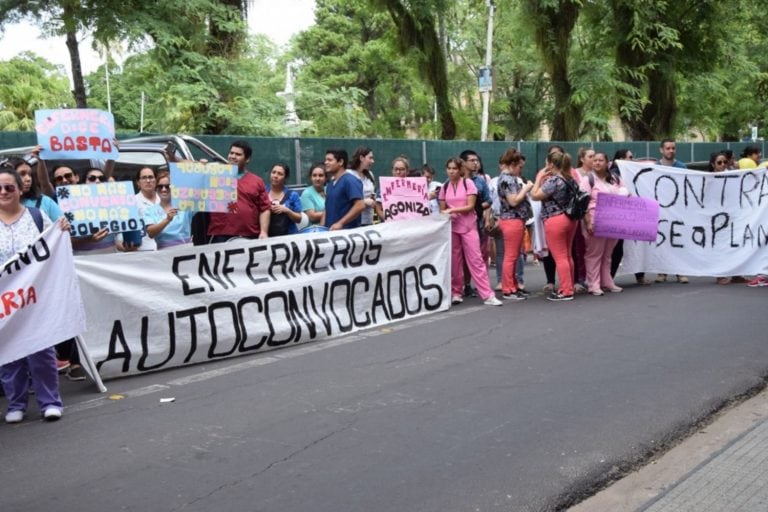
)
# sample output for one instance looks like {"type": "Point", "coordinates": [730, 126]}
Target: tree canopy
{"type": "Point", "coordinates": [566, 69]}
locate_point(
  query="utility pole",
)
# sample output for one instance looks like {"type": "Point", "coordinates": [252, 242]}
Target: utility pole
{"type": "Point", "coordinates": [486, 73]}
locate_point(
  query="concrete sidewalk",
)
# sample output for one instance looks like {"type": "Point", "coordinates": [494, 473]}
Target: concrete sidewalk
{"type": "Point", "coordinates": [736, 479]}
{"type": "Point", "coordinates": [722, 468]}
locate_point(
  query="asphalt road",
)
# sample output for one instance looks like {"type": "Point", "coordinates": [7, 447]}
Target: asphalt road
{"type": "Point", "coordinates": [527, 407]}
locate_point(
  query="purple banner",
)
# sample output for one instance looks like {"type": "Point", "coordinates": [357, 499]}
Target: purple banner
{"type": "Point", "coordinates": [626, 218]}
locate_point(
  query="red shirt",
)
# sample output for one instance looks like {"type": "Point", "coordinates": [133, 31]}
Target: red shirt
{"type": "Point", "coordinates": [252, 200]}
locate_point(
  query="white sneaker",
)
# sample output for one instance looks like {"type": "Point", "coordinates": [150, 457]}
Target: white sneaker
{"type": "Point", "coordinates": [457, 299]}
{"type": "Point", "coordinates": [52, 414]}
{"type": "Point", "coordinates": [14, 416]}
{"type": "Point", "coordinates": [492, 301]}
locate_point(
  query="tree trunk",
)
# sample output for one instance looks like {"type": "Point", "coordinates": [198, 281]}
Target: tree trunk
{"type": "Point", "coordinates": [553, 25]}
{"type": "Point", "coordinates": [417, 28]}
{"type": "Point", "coordinates": [226, 41]}
{"type": "Point", "coordinates": [78, 83]}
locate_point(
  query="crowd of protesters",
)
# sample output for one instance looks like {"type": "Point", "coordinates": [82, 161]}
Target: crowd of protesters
{"type": "Point", "coordinates": [499, 220]}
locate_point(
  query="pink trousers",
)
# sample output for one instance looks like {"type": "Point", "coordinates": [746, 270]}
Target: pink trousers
{"type": "Point", "coordinates": [467, 246]}
{"type": "Point", "coordinates": [513, 231]}
{"type": "Point", "coordinates": [598, 261]}
{"type": "Point", "coordinates": [560, 231]}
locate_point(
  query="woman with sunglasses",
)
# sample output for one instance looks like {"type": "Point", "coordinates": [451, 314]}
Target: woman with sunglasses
{"type": "Point", "coordinates": [18, 230]}
{"type": "Point", "coordinates": [718, 162]}
{"type": "Point", "coordinates": [166, 224]}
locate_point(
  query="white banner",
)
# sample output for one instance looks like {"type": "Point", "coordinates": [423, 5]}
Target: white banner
{"type": "Point", "coordinates": [183, 305]}
{"type": "Point", "coordinates": [40, 301]}
{"type": "Point", "coordinates": [710, 224]}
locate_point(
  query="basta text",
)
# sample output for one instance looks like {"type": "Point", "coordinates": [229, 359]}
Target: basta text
{"type": "Point", "coordinates": [80, 143]}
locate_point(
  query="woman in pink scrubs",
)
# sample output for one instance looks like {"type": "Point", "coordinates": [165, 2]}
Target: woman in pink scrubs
{"type": "Point", "coordinates": [457, 199]}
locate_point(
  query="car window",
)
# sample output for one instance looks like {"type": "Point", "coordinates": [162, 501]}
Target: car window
{"type": "Point", "coordinates": [130, 162]}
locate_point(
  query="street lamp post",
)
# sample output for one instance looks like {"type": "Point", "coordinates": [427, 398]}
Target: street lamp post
{"type": "Point", "coordinates": [486, 91]}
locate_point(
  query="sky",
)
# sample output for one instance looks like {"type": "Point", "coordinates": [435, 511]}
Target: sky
{"type": "Point", "coordinates": [279, 20]}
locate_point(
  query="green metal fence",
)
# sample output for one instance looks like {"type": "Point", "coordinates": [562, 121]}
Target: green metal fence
{"type": "Point", "coordinates": [301, 153]}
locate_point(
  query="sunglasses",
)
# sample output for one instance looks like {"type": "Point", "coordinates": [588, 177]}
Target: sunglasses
{"type": "Point", "coordinates": [63, 177]}
{"type": "Point", "coordinates": [720, 162]}
{"type": "Point", "coordinates": [94, 177]}
{"type": "Point", "coordinates": [9, 188]}
{"type": "Point", "coordinates": [163, 187]}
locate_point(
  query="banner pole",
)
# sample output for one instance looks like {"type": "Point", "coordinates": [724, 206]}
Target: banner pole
{"type": "Point", "coordinates": [89, 365]}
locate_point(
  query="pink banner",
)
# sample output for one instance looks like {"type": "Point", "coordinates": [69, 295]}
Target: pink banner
{"type": "Point", "coordinates": [404, 198]}
{"type": "Point", "coordinates": [626, 218]}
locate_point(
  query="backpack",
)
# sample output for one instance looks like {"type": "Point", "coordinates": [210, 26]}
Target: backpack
{"type": "Point", "coordinates": [37, 217]}
{"type": "Point", "coordinates": [578, 201]}
{"type": "Point", "coordinates": [479, 210]}
{"type": "Point", "coordinates": [445, 186]}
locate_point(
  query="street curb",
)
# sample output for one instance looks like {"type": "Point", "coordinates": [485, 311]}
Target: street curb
{"type": "Point", "coordinates": [659, 476]}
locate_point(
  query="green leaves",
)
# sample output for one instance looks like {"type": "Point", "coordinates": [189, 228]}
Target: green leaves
{"type": "Point", "coordinates": [28, 83]}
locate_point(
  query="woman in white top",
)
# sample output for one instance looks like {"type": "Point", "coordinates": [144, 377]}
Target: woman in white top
{"type": "Point", "coordinates": [147, 198]}
{"type": "Point", "coordinates": [361, 163]}
{"type": "Point", "coordinates": [19, 228]}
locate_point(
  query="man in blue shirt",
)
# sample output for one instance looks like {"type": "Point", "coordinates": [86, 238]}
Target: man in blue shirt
{"type": "Point", "coordinates": [668, 150]}
{"type": "Point", "coordinates": [343, 193]}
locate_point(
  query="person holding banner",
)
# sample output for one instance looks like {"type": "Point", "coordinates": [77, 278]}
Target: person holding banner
{"type": "Point", "coordinates": [362, 161]}
{"type": "Point", "coordinates": [718, 162]}
{"type": "Point", "coordinates": [286, 204]}
{"type": "Point", "coordinates": [618, 250]}
{"type": "Point", "coordinates": [343, 194]}
{"type": "Point", "coordinates": [146, 181]}
{"type": "Point", "coordinates": [457, 199]}
{"type": "Point", "coordinates": [166, 224]}
{"type": "Point", "coordinates": [599, 250]}
{"type": "Point", "coordinates": [668, 150]}
{"type": "Point", "coordinates": [553, 190]}
{"type": "Point", "coordinates": [20, 226]}
{"type": "Point", "coordinates": [585, 161]}
{"type": "Point", "coordinates": [252, 212]}
{"type": "Point", "coordinates": [750, 157]}
{"type": "Point", "coordinates": [313, 197]}
{"type": "Point", "coordinates": [433, 187]}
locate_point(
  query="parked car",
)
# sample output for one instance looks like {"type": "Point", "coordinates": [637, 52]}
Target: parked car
{"type": "Point", "coordinates": [151, 151]}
